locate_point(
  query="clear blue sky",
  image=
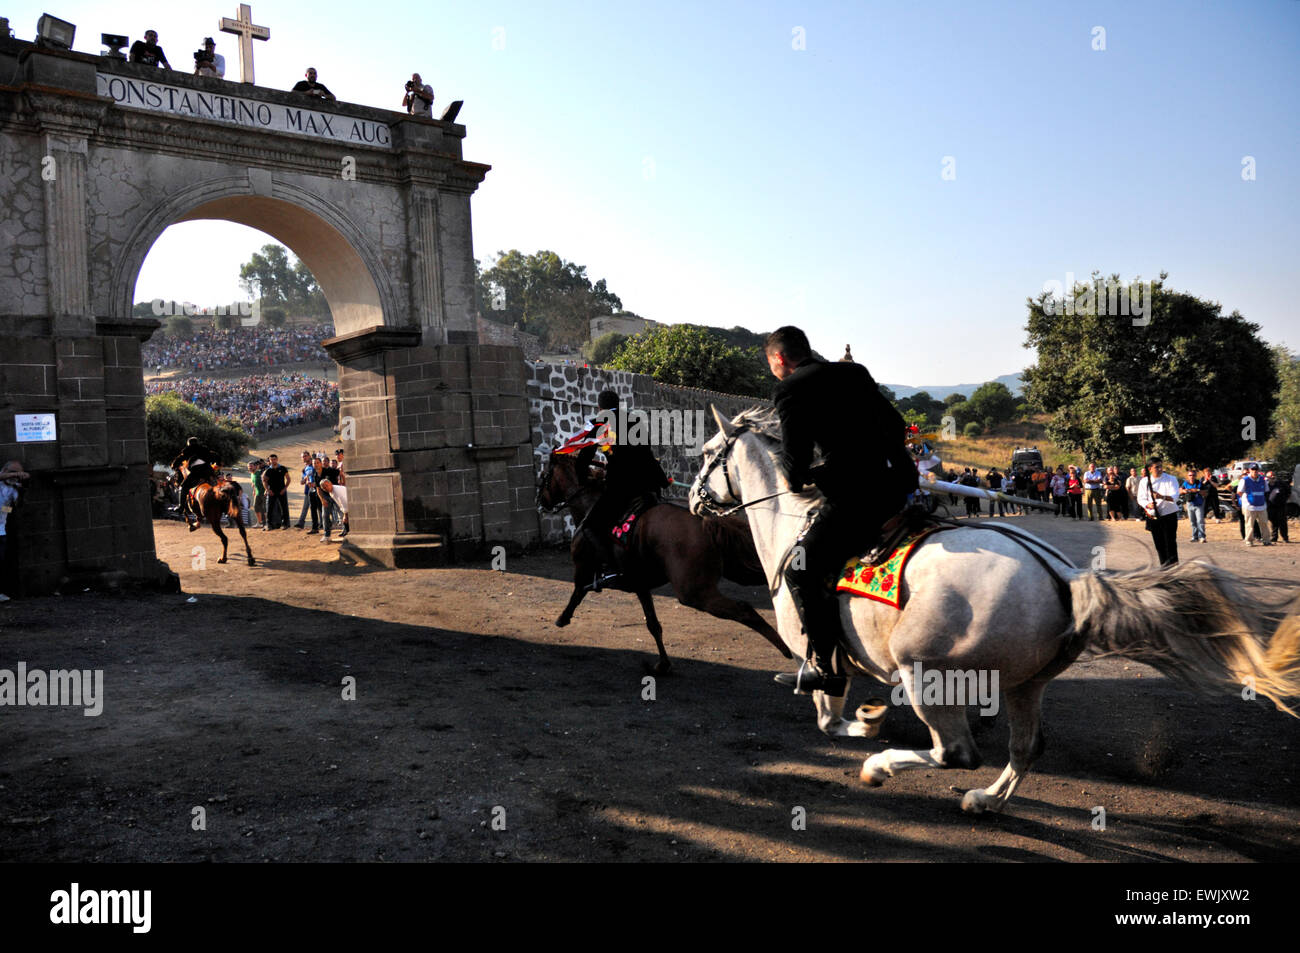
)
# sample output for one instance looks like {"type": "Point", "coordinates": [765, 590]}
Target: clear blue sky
{"type": "Point", "coordinates": [711, 172]}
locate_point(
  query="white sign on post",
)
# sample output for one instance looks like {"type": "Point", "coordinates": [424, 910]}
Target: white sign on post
{"type": "Point", "coordinates": [1145, 428]}
{"type": "Point", "coordinates": [34, 428]}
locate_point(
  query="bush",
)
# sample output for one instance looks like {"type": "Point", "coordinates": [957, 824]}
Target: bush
{"type": "Point", "coordinates": [693, 357]}
{"type": "Point", "coordinates": [1288, 458]}
{"type": "Point", "coordinates": [179, 326]}
{"type": "Point", "coordinates": [972, 429]}
{"type": "Point", "coordinates": [170, 421]}
{"type": "Point", "coordinates": [275, 317]}
{"type": "Point", "coordinates": [604, 348]}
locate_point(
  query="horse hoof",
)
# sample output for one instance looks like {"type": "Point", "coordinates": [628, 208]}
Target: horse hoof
{"type": "Point", "coordinates": [975, 801]}
{"type": "Point", "coordinates": [191, 526]}
{"type": "Point", "coordinates": [252, 562]}
{"type": "Point", "coordinates": [561, 622]}
{"type": "Point", "coordinates": [221, 560]}
{"type": "Point", "coordinates": [661, 668]}
{"type": "Point", "coordinates": [873, 712]}
{"type": "Point", "coordinates": [872, 777]}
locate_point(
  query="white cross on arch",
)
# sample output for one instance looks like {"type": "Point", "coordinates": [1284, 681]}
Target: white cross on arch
{"type": "Point", "coordinates": [247, 33]}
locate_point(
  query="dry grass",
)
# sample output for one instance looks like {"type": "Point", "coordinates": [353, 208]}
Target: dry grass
{"type": "Point", "coordinates": [994, 449]}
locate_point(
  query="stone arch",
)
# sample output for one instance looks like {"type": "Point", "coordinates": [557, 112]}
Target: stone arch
{"type": "Point", "coordinates": [357, 287]}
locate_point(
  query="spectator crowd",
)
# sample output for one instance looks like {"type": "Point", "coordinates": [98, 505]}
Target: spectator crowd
{"type": "Point", "coordinates": [1254, 497]}
{"type": "Point", "coordinates": [260, 403]}
{"type": "Point", "coordinates": [214, 348]}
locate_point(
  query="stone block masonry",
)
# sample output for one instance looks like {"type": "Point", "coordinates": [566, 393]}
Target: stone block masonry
{"type": "Point", "coordinates": [562, 398]}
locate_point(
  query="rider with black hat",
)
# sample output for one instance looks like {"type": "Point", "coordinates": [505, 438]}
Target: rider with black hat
{"type": "Point", "coordinates": [202, 463]}
{"type": "Point", "coordinates": [631, 472]}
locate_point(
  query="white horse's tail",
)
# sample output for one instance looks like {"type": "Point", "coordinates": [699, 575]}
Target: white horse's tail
{"type": "Point", "coordinates": [1195, 622]}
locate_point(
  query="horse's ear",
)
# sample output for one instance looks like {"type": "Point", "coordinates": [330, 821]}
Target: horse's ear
{"type": "Point", "coordinates": [724, 424]}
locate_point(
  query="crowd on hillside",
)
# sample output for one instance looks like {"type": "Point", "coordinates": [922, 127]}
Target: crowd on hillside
{"type": "Point", "coordinates": [214, 348]}
{"type": "Point", "coordinates": [260, 403]}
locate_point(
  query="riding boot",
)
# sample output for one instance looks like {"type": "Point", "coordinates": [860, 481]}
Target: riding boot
{"type": "Point", "coordinates": [820, 616]}
{"type": "Point", "coordinates": [609, 571]}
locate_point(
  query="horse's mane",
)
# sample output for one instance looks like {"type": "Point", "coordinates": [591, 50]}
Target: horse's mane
{"type": "Point", "coordinates": [763, 421]}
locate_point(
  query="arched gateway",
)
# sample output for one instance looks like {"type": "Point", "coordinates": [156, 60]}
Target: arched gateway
{"type": "Point", "coordinates": [97, 158]}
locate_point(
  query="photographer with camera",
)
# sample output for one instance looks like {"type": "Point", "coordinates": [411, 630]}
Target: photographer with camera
{"type": "Point", "coordinates": [418, 100]}
{"type": "Point", "coordinates": [313, 88]}
{"type": "Point", "coordinates": [208, 62]}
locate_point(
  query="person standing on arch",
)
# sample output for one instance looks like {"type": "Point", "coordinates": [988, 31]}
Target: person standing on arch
{"type": "Point", "coordinates": [866, 478]}
{"type": "Point", "coordinates": [418, 100]}
{"type": "Point", "coordinates": [313, 88]}
{"type": "Point", "coordinates": [147, 52]}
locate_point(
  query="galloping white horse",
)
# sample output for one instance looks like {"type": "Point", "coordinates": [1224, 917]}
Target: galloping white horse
{"type": "Point", "coordinates": [1004, 603]}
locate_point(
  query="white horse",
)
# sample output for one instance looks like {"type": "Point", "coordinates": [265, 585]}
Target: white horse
{"type": "Point", "coordinates": [1000, 603]}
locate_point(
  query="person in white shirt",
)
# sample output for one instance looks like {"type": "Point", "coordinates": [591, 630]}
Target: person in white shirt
{"type": "Point", "coordinates": [1158, 498]}
{"type": "Point", "coordinates": [215, 66]}
{"type": "Point", "coordinates": [418, 100]}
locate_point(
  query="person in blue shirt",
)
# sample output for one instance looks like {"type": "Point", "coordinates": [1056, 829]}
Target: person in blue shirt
{"type": "Point", "coordinates": [1253, 491]}
{"type": "Point", "coordinates": [1195, 503]}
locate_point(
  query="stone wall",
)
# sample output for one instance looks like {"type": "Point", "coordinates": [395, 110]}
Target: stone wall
{"type": "Point", "coordinates": [85, 514]}
{"type": "Point", "coordinates": [490, 332]}
{"type": "Point", "coordinates": [562, 398]}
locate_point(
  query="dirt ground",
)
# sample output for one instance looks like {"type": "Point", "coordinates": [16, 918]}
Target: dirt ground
{"type": "Point", "coordinates": [480, 732]}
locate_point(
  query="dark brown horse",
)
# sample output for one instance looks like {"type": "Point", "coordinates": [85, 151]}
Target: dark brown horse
{"type": "Point", "coordinates": [215, 502]}
{"type": "Point", "coordinates": [669, 545]}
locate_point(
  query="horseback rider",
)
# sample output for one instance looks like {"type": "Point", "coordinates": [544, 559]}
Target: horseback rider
{"type": "Point", "coordinates": [202, 463]}
{"type": "Point", "coordinates": [633, 477]}
{"type": "Point", "coordinates": [866, 478]}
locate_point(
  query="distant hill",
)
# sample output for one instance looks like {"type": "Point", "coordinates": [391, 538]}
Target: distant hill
{"type": "Point", "coordinates": [940, 391]}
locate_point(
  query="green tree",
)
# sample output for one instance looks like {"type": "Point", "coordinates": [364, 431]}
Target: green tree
{"type": "Point", "coordinates": [603, 349]}
{"type": "Point", "coordinates": [992, 403]}
{"type": "Point", "coordinates": [170, 421]}
{"type": "Point", "coordinates": [1207, 378]}
{"type": "Point", "coordinates": [544, 295]}
{"type": "Point", "coordinates": [691, 357]}
{"type": "Point", "coordinates": [275, 317]}
{"type": "Point", "coordinates": [179, 326]}
{"type": "Point", "coordinates": [282, 283]}
{"type": "Point", "coordinates": [1286, 419]}
{"type": "Point", "coordinates": [929, 410]}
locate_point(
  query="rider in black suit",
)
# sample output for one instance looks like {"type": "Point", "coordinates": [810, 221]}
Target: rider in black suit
{"type": "Point", "coordinates": [866, 477]}
{"type": "Point", "coordinates": [201, 462]}
{"type": "Point", "coordinates": [631, 471]}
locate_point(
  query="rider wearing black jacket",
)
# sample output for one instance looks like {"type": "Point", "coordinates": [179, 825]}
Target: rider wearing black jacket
{"type": "Point", "coordinates": [201, 462]}
{"type": "Point", "coordinates": [631, 471]}
{"type": "Point", "coordinates": [866, 479]}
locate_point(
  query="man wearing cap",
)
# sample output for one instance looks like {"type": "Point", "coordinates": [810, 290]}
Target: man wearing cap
{"type": "Point", "coordinates": [212, 64]}
{"type": "Point", "coordinates": [11, 478]}
{"type": "Point", "coordinates": [1253, 493]}
{"type": "Point", "coordinates": [1158, 497]}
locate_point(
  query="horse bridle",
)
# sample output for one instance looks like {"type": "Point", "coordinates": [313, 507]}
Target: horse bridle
{"type": "Point", "coordinates": [708, 502]}
{"type": "Point", "coordinates": [545, 479]}
{"type": "Point", "coordinates": [711, 504]}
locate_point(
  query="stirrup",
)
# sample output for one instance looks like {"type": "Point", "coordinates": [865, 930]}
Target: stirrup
{"type": "Point", "coordinates": [811, 679]}
{"type": "Point", "coordinates": [601, 581]}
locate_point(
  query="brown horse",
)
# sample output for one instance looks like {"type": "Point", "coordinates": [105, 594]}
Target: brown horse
{"type": "Point", "coordinates": [215, 502]}
{"type": "Point", "coordinates": [669, 545]}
